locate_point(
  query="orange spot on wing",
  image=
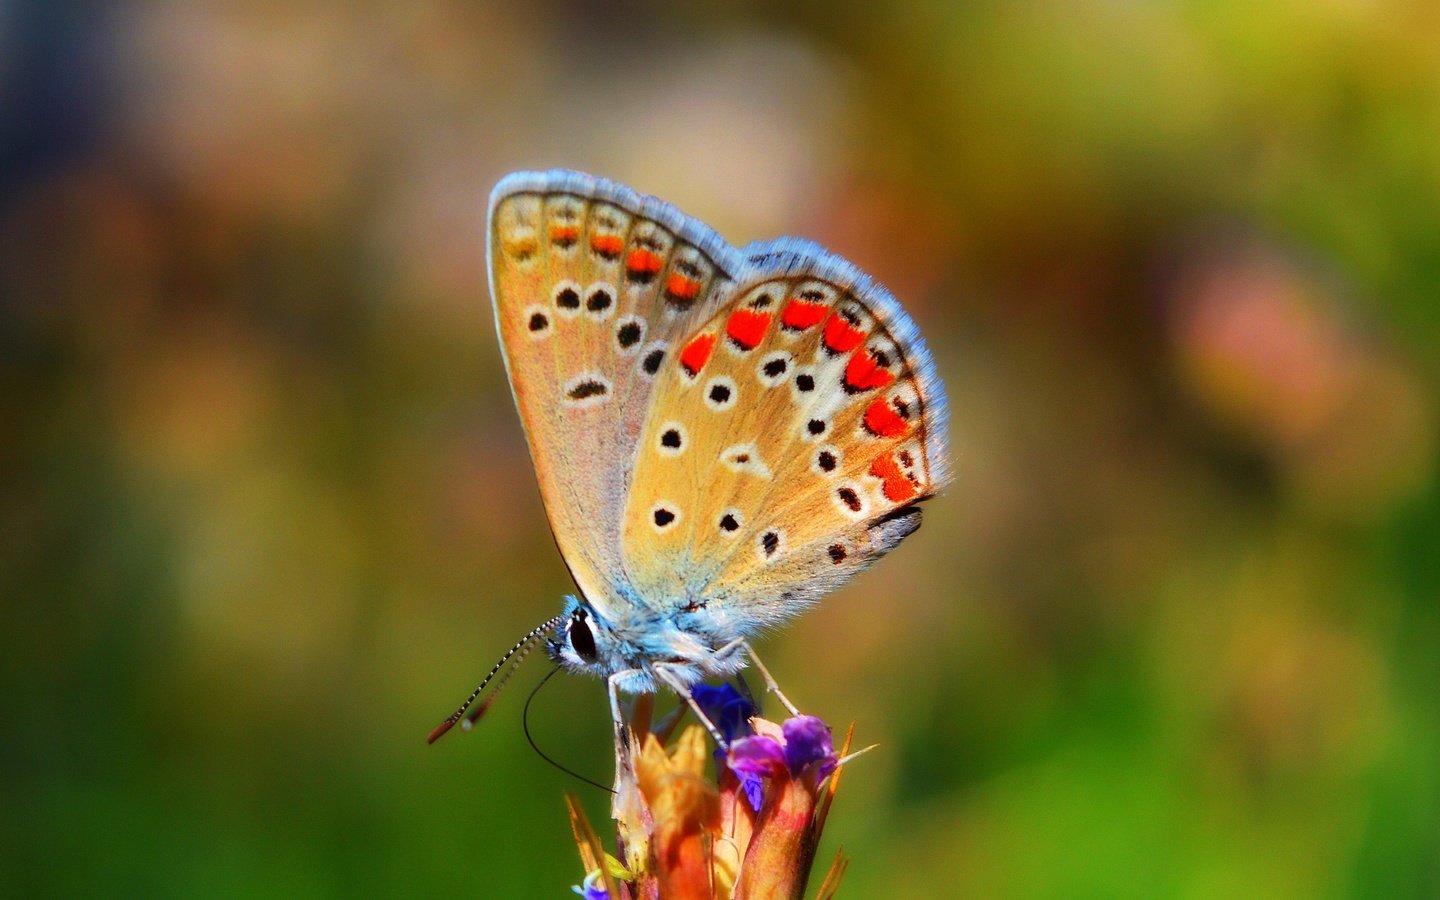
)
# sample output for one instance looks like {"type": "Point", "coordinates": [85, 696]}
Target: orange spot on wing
{"type": "Point", "coordinates": [747, 327]}
{"type": "Point", "coordinates": [897, 487]}
{"type": "Point", "coordinates": [697, 353]}
{"type": "Point", "coordinates": [522, 246]}
{"type": "Point", "coordinates": [607, 244]}
{"type": "Point", "coordinates": [642, 260]}
{"type": "Point", "coordinates": [564, 234]}
{"type": "Point", "coordinates": [801, 314]}
{"type": "Point", "coordinates": [841, 336]}
{"type": "Point", "coordinates": [863, 373]}
{"type": "Point", "coordinates": [882, 420]}
{"type": "Point", "coordinates": [680, 287]}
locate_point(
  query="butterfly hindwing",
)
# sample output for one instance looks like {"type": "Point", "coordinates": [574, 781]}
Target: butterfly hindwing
{"type": "Point", "coordinates": [787, 442]}
{"type": "Point", "coordinates": [593, 285]}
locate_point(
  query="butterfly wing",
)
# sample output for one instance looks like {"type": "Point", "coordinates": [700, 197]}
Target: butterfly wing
{"type": "Point", "coordinates": [789, 439]}
{"type": "Point", "coordinates": [593, 284]}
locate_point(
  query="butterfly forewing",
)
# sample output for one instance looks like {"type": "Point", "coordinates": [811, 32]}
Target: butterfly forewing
{"type": "Point", "coordinates": [593, 285]}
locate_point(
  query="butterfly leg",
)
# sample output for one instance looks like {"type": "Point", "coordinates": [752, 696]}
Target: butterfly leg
{"type": "Point", "coordinates": [740, 644]}
{"type": "Point", "coordinates": [617, 715]}
{"type": "Point", "coordinates": [626, 805]}
{"type": "Point", "coordinates": [679, 686]}
{"type": "Point", "coordinates": [624, 763]}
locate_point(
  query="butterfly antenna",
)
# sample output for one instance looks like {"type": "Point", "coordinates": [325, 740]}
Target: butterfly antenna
{"type": "Point", "coordinates": [525, 723]}
{"type": "Point", "coordinates": [522, 648]}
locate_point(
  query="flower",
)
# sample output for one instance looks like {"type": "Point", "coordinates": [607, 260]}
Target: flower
{"type": "Point", "coordinates": [750, 831]}
{"type": "Point", "coordinates": [592, 888]}
{"type": "Point", "coordinates": [731, 712]}
{"type": "Point", "coordinates": [795, 762]}
{"type": "Point", "coordinates": [803, 750]}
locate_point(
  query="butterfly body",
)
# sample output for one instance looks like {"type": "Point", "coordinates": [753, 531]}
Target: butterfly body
{"type": "Point", "coordinates": [721, 435]}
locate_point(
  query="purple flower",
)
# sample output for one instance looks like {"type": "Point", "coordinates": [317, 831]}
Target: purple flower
{"type": "Point", "coordinates": [807, 743]}
{"type": "Point", "coordinates": [729, 709]}
{"type": "Point", "coordinates": [592, 888]}
{"type": "Point", "coordinates": [731, 712]}
{"type": "Point", "coordinates": [803, 749]}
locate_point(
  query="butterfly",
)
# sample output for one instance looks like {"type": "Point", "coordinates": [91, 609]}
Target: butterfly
{"type": "Point", "coordinates": [721, 436]}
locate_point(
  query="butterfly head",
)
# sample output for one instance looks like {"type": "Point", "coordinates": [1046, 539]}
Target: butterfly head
{"type": "Point", "coordinates": [585, 642]}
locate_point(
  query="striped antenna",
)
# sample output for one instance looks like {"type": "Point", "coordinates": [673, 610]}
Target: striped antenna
{"type": "Point", "coordinates": [522, 647]}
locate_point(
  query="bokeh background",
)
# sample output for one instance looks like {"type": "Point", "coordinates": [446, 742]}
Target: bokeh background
{"type": "Point", "coordinates": [267, 511]}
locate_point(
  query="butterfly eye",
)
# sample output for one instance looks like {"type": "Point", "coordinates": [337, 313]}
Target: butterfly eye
{"type": "Point", "coordinates": [582, 641]}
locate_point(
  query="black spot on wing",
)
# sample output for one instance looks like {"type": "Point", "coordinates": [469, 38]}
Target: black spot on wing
{"type": "Point", "coordinates": [587, 388]}
{"type": "Point", "coordinates": [770, 542]}
{"type": "Point", "coordinates": [628, 334]}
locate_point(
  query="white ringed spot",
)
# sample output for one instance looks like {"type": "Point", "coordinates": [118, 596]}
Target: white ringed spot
{"type": "Point", "coordinates": [721, 393]}
{"type": "Point", "coordinates": [589, 389]}
{"type": "Point", "coordinates": [850, 499]}
{"type": "Point", "coordinates": [537, 321]}
{"type": "Point", "coordinates": [729, 522]}
{"type": "Point", "coordinates": [652, 357]}
{"type": "Point", "coordinates": [672, 440]}
{"type": "Point", "coordinates": [827, 460]}
{"type": "Point", "coordinates": [769, 544]}
{"type": "Point", "coordinates": [664, 516]}
{"type": "Point", "coordinates": [774, 368]}
{"type": "Point", "coordinates": [629, 332]}
{"type": "Point", "coordinates": [600, 301]}
{"type": "Point", "coordinates": [803, 384]}
{"type": "Point", "coordinates": [745, 459]}
{"type": "Point", "coordinates": [567, 298]}
{"type": "Point", "coordinates": [814, 428]}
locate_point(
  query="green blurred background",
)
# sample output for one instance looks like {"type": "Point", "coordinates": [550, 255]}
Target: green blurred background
{"type": "Point", "coordinates": [268, 513]}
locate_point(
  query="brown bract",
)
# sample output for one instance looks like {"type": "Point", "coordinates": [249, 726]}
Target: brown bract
{"type": "Point", "coordinates": [685, 811]}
